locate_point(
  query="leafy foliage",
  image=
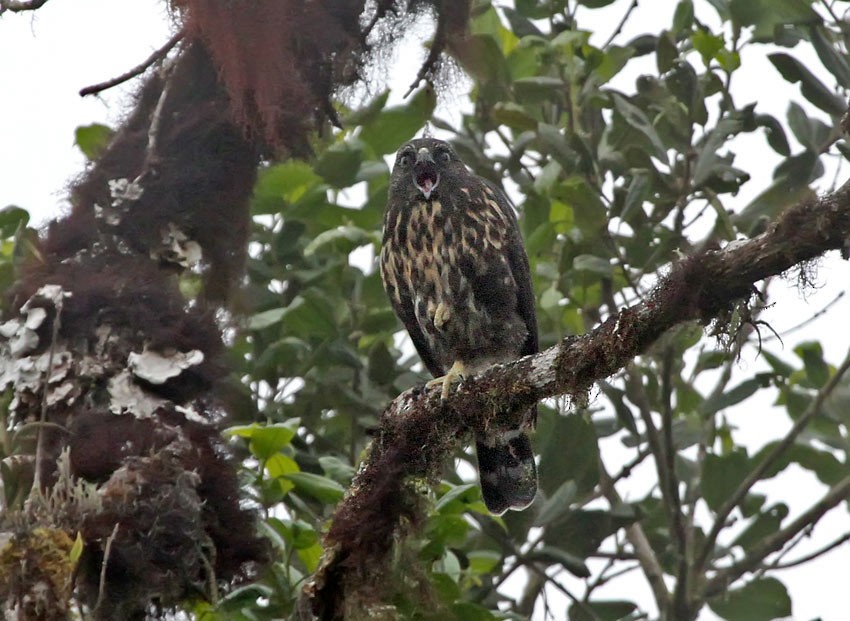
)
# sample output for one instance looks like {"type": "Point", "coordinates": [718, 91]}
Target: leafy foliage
{"type": "Point", "coordinates": [622, 154]}
{"type": "Point", "coordinates": [614, 179]}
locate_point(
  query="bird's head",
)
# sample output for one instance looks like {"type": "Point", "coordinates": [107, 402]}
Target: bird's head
{"type": "Point", "coordinates": [423, 167]}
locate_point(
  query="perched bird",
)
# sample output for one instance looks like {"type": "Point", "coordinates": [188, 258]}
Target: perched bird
{"type": "Point", "coordinates": [455, 269]}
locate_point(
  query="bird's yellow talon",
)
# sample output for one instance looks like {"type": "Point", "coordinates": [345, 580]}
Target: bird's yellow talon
{"type": "Point", "coordinates": [453, 376]}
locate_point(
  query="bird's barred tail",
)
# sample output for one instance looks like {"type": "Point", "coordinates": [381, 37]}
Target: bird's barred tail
{"type": "Point", "coordinates": [507, 470]}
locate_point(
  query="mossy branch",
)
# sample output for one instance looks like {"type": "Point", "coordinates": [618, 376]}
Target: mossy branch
{"type": "Point", "coordinates": [418, 432]}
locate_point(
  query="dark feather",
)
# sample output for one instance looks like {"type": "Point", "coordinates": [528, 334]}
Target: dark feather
{"type": "Point", "coordinates": [522, 273]}
{"type": "Point", "coordinates": [456, 271]}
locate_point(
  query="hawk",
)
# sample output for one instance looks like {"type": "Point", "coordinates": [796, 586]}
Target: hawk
{"type": "Point", "coordinates": [455, 269]}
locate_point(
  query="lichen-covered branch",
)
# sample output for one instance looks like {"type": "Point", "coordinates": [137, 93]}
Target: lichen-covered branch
{"type": "Point", "coordinates": [418, 431]}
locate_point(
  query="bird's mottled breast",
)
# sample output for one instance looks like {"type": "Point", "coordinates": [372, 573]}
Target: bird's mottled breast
{"type": "Point", "coordinates": [444, 259]}
{"type": "Point", "coordinates": [425, 239]}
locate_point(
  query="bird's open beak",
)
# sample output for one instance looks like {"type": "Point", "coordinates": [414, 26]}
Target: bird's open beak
{"type": "Point", "coordinates": [425, 174]}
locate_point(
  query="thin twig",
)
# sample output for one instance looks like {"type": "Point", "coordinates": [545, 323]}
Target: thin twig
{"type": "Point", "coordinates": [622, 23]}
{"type": "Point", "coordinates": [808, 320]}
{"type": "Point", "coordinates": [671, 496]}
{"type": "Point", "coordinates": [642, 548]}
{"type": "Point", "coordinates": [786, 549]}
{"type": "Point", "coordinates": [756, 473]}
{"type": "Point", "coordinates": [627, 468]}
{"type": "Point", "coordinates": [138, 69]}
{"type": "Point", "coordinates": [107, 549]}
{"type": "Point", "coordinates": [828, 7]}
{"type": "Point", "coordinates": [151, 156]}
{"type": "Point", "coordinates": [723, 578]}
{"type": "Point", "coordinates": [812, 555]}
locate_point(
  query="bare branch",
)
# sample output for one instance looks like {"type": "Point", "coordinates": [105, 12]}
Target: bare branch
{"type": "Point", "coordinates": [812, 555]}
{"type": "Point", "coordinates": [138, 69]}
{"type": "Point", "coordinates": [756, 473]}
{"type": "Point", "coordinates": [418, 432]}
{"type": "Point", "coordinates": [643, 550]}
{"type": "Point", "coordinates": [721, 581]}
{"type": "Point", "coordinates": [619, 27]}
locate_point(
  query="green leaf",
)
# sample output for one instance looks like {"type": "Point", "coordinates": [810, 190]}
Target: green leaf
{"type": "Point", "coordinates": [812, 88]}
{"type": "Point", "coordinates": [777, 364]}
{"type": "Point", "coordinates": [623, 412]}
{"type": "Point", "coordinates": [811, 133]}
{"type": "Point", "coordinates": [722, 474]}
{"type": "Point", "coordinates": [283, 184]}
{"type": "Point", "coordinates": [310, 556]}
{"type": "Point", "coordinates": [472, 612]}
{"type": "Point", "coordinates": [447, 528]}
{"type": "Point", "coordinates": [835, 62]}
{"type": "Point", "coordinates": [368, 113]}
{"type": "Point", "coordinates": [93, 139]}
{"type": "Point", "coordinates": [538, 89]}
{"type": "Point", "coordinates": [453, 494]}
{"type": "Point", "coordinates": [822, 463]}
{"type": "Point", "coordinates": [817, 370]}
{"type": "Point", "coordinates": [340, 165]}
{"type": "Point", "coordinates": [582, 532]}
{"type": "Point", "coordinates": [569, 452]}
{"type": "Point", "coordinates": [396, 125]}
{"type": "Point", "coordinates": [313, 313]}
{"type": "Point", "coordinates": [766, 523]}
{"type": "Point", "coordinates": [337, 469]}
{"type": "Point", "coordinates": [599, 610]}
{"type": "Point", "coordinates": [278, 465]}
{"type": "Point", "coordinates": [763, 599]}
{"type": "Point", "coordinates": [775, 134]}
{"type": "Point", "coordinates": [766, 15]}
{"type": "Point", "coordinates": [76, 549]}
{"type": "Point", "coordinates": [613, 60]}
{"type": "Point", "coordinates": [707, 44]}
{"type": "Point", "coordinates": [266, 439]}
{"type": "Point", "coordinates": [594, 265]}
{"type": "Point", "coordinates": [264, 319]}
{"type": "Point", "coordinates": [513, 115]}
{"type": "Point", "coordinates": [445, 586]}
{"type": "Point", "coordinates": [483, 562]}
{"type": "Point", "coordinates": [637, 193]}
{"type": "Point", "coordinates": [481, 56]}
{"type": "Point", "coordinates": [636, 118]}
{"type": "Point", "coordinates": [588, 210]}
{"type": "Point", "coordinates": [556, 143]}
{"type": "Point", "coordinates": [786, 190]}
{"type": "Point", "coordinates": [709, 162]}
{"type": "Point", "coordinates": [558, 505]}
{"type": "Point", "coordinates": [733, 396]}
{"type": "Point", "coordinates": [683, 16]}
{"type": "Point", "coordinates": [595, 4]}
{"type": "Point", "coordinates": [570, 562]}
{"type": "Point", "coordinates": [341, 240]}
{"type": "Point", "coordinates": [667, 53]}
{"type": "Point", "coordinates": [301, 534]}
{"type": "Point", "coordinates": [321, 488]}
{"type": "Point", "coordinates": [12, 219]}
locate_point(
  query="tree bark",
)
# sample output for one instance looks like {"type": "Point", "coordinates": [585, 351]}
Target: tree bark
{"type": "Point", "coordinates": [418, 431]}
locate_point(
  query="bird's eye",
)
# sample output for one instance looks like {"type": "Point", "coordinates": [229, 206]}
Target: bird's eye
{"type": "Point", "coordinates": [405, 158]}
{"type": "Point", "coordinates": [443, 156]}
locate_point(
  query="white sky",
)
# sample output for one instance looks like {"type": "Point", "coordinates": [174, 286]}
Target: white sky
{"type": "Point", "coordinates": [47, 56]}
